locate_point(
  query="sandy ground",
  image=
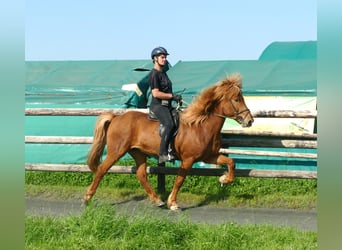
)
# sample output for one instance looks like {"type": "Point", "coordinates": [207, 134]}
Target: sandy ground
{"type": "Point", "coordinates": [299, 219]}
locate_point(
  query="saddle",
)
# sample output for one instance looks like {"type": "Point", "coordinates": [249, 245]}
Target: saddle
{"type": "Point", "coordinates": [174, 114]}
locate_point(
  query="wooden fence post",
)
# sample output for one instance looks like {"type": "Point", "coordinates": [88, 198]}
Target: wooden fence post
{"type": "Point", "coordinates": [161, 180]}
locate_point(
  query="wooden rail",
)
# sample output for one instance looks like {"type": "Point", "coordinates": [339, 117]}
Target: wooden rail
{"type": "Point", "coordinates": [174, 170]}
{"type": "Point", "coordinates": [253, 139]}
{"type": "Point", "coordinates": [89, 140]}
{"type": "Point", "coordinates": [95, 112]}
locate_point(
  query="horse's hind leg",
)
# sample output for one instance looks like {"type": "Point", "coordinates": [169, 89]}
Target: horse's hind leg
{"type": "Point", "coordinates": [140, 160]}
{"type": "Point", "coordinates": [101, 171]}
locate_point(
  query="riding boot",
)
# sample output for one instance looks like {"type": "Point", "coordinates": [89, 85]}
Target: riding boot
{"type": "Point", "coordinates": [164, 145]}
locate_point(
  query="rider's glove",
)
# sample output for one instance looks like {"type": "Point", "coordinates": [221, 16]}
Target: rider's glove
{"type": "Point", "coordinates": [177, 98]}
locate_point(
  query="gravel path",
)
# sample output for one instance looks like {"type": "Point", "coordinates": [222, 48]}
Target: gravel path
{"type": "Point", "coordinates": [300, 219]}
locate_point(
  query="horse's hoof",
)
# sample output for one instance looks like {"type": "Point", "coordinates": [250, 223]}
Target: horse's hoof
{"type": "Point", "coordinates": [85, 201]}
{"type": "Point", "coordinates": [174, 208]}
{"type": "Point", "coordinates": [222, 180]}
{"type": "Point", "coordinates": [160, 204]}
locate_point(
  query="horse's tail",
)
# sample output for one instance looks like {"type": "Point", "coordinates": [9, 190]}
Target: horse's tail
{"type": "Point", "coordinates": [99, 141]}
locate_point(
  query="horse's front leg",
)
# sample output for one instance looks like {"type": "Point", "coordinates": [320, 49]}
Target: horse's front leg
{"type": "Point", "coordinates": [182, 172]}
{"type": "Point", "coordinates": [220, 159]}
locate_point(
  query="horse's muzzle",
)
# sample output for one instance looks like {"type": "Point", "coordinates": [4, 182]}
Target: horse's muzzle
{"type": "Point", "coordinates": [247, 122]}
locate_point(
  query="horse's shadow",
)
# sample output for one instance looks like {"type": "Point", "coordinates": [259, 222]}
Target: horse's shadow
{"type": "Point", "coordinates": [213, 198]}
{"type": "Point", "coordinates": [133, 198]}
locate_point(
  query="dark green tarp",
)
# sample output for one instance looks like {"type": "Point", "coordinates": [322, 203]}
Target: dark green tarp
{"type": "Point", "coordinates": [275, 78]}
{"type": "Point", "coordinates": [100, 82]}
{"type": "Point", "coordinates": [82, 82]}
{"type": "Point", "coordinates": [290, 51]}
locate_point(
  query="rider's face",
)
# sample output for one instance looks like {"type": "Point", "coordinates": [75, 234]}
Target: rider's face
{"type": "Point", "coordinates": [161, 59]}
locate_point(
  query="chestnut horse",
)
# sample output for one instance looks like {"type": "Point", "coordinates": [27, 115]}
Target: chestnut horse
{"type": "Point", "coordinates": [198, 137]}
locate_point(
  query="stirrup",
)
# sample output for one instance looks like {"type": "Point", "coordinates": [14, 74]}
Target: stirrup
{"type": "Point", "coordinates": [171, 157]}
{"type": "Point", "coordinates": [163, 159]}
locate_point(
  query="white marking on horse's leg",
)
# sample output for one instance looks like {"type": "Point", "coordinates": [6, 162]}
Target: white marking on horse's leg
{"type": "Point", "coordinates": [174, 208]}
{"type": "Point", "coordinates": [222, 180]}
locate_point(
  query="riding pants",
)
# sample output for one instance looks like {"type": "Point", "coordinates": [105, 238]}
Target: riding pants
{"type": "Point", "coordinates": [167, 126]}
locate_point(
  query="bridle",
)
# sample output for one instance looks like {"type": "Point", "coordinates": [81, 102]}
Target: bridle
{"type": "Point", "coordinates": [237, 114]}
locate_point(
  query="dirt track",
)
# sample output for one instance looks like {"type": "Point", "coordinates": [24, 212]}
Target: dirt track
{"type": "Point", "coordinates": [303, 220]}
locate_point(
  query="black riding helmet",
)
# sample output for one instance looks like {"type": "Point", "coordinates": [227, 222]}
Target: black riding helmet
{"type": "Point", "coordinates": [159, 51]}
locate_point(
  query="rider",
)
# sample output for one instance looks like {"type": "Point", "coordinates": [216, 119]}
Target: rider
{"type": "Point", "coordinates": [162, 95]}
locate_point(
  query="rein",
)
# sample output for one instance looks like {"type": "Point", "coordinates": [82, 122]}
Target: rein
{"type": "Point", "coordinates": [236, 112]}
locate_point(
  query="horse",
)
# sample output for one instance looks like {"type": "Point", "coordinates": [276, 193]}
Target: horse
{"type": "Point", "coordinates": [198, 137]}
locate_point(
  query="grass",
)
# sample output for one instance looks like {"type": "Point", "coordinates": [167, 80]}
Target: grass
{"type": "Point", "coordinates": [196, 190]}
{"type": "Point", "coordinates": [99, 227]}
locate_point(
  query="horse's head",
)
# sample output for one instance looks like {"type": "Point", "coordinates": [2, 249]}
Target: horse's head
{"type": "Point", "coordinates": [223, 99]}
{"type": "Point", "coordinates": [233, 103]}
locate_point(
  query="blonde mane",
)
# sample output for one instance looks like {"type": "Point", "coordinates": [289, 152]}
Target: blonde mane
{"type": "Point", "coordinates": [205, 103]}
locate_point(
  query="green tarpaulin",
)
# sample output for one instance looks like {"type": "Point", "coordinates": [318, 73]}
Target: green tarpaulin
{"type": "Point", "coordinates": [290, 50]}
{"type": "Point", "coordinates": [82, 82]}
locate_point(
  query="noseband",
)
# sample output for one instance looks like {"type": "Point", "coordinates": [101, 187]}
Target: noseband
{"type": "Point", "coordinates": [237, 114]}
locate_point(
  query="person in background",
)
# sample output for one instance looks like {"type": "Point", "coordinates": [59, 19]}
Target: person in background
{"type": "Point", "coordinates": [162, 96]}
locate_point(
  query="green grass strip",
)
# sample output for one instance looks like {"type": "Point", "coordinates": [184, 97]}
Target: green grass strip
{"type": "Point", "coordinates": [100, 227]}
{"type": "Point", "coordinates": [196, 190]}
